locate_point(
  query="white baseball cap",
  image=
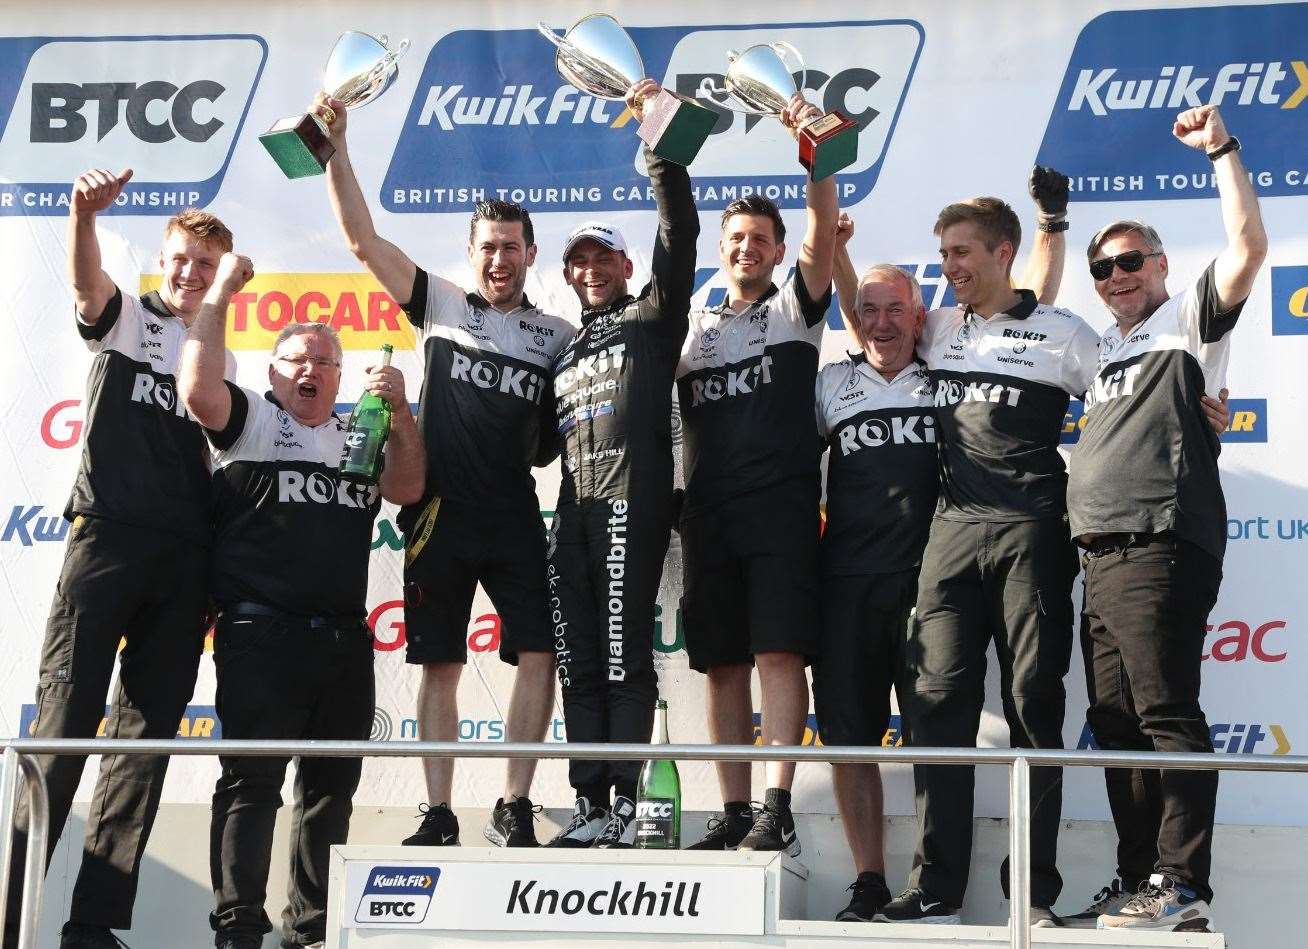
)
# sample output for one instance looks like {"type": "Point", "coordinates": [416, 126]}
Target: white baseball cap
{"type": "Point", "coordinates": [607, 235]}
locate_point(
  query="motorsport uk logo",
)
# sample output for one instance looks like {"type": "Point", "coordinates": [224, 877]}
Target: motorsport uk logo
{"type": "Point", "coordinates": [1248, 421]}
{"type": "Point", "coordinates": [397, 895]}
{"type": "Point", "coordinates": [491, 118]}
{"type": "Point", "coordinates": [170, 107]}
{"type": "Point", "coordinates": [1110, 126]}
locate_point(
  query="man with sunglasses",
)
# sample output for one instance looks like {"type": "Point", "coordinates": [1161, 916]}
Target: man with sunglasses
{"type": "Point", "coordinates": [1146, 506]}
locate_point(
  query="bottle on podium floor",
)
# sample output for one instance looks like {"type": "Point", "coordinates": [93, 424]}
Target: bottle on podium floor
{"type": "Point", "coordinates": [658, 795]}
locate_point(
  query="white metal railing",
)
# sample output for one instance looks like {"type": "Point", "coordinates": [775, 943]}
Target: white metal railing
{"type": "Point", "coordinates": [1019, 761]}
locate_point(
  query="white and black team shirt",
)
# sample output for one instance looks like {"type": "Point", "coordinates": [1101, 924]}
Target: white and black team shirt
{"type": "Point", "coordinates": [1146, 461]}
{"type": "Point", "coordinates": [143, 456]}
{"type": "Point", "coordinates": [289, 533]}
{"type": "Point", "coordinates": [881, 474]}
{"type": "Point", "coordinates": [745, 388]}
{"type": "Point", "coordinates": [1002, 388]}
{"type": "Point", "coordinates": [486, 405]}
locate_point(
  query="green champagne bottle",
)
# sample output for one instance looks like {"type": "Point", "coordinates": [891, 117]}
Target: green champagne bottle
{"type": "Point", "coordinates": [370, 423]}
{"type": "Point", "coordinates": [658, 796]}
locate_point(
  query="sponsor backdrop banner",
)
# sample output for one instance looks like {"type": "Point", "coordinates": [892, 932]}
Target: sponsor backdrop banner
{"type": "Point", "coordinates": [950, 102]}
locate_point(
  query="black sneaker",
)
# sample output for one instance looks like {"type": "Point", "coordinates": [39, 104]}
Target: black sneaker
{"type": "Point", "coordinates": [585, 826]}
{"type": "Point", "coordinates": [85, 936]}
{"type": "Point", "coordinates": [870, 894]}
{"type": "Point", "coordinates": [1042, 917]}
{"type": "Point", "coordinates": [439, 828]}
{"type": "Point", "coordinates": [916, 905]}
{"type": "Point", "coordinates": [727, 831]}
{"type": "Point", "coordinates": [620, 831]}
{"type": "Point", "coordinates": [1108, 900]}
{"type": "Point", "coordinates": [774, 829]}
{"type": "Point", "coordinates": [512, 824]}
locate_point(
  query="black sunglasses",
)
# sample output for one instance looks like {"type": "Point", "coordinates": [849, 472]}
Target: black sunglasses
{"type": "Point", "coordinates": [1130, 262]}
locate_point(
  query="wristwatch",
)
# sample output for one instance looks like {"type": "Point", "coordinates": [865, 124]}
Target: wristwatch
{"type": "Point", "coordinates": [1053, 227]}
{"type": "Point", "coordinates": [1232, 144]}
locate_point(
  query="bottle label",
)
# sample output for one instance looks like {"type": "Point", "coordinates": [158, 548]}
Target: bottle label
{"type": "Point", "coordinates": [655, 823]}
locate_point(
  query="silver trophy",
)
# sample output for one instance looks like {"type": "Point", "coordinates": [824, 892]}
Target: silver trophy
{"type": "Point", "coordinates": [761, 81]}
{"type": "Point", "coordinates": [598, 57]}
{"type": "Point", "coordinates": [360, 68]}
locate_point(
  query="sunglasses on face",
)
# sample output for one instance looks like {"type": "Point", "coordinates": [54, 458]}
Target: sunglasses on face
{"type": "Point", "coordinates": [1130, 262]}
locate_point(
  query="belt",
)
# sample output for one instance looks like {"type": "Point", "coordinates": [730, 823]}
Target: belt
{"type": "Point", "coordinates": [321, 621]}
{"type": "Point", "coordinates": [1096, 545]}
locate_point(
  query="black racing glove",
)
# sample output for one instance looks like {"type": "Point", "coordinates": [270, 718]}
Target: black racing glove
{"type": "Point", "coordinates": [1048, 188]}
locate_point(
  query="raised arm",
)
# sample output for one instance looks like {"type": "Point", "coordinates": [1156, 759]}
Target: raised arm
{"type": "Point", "coordinates": [843, 274]}
{"type": "Point", "coordinates": [1044, 267]}
{"type": "Point", "coordinates": [390, 265]}
{"type": "Point", "coordinates": [200, 375]}
{"type": "Point", "coordinates": [672, 270]}
{"type": "Point", "coordinates": [1246, 239]}
{"type": "Point", "coordinates": [405, 473]}
{"type": "Point", "coordinates": [93, 191]}
{"type": "Point", "coordinates": [817, 254]}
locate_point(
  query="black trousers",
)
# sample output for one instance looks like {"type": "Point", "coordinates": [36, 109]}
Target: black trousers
{"type": "Point", "coordinates": [605, 563]}
{"type": "Point", "coordinates": [119, 582]}
{"type": "Point", "coordinates": [281, 677]}
{"type": "Point", "coordinates": [1010, 584]}
{"type": "Point", "coordinates": [1143, 620]}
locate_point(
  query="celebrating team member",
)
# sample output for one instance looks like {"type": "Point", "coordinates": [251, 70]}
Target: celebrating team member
{"type": "Point", "coordinates": [485, 410]}
{"type": "Point", "coordinates": [999, 563]}
{"type": "Point", "coordinates": [293, 654]}
{"type": "Point", "coordinates": [749, 532]}
{"type": "Point", "coordinates": [874, 411]}
{"type": "Point", "coordinates": [136, 561]}
{"type": "Point", "coordinates": [1146, 504]}
{"type": "Point", "coordinates": [613, 398]}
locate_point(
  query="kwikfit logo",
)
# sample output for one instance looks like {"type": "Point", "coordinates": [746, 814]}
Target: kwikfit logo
{"type": "Point", "coordinates": [1175, 88]}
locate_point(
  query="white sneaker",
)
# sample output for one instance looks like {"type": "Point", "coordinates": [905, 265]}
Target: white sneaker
{"type": "Point", "coordinates": [1108, 900]}
{"type": "Point", "coordinates": [584, 828]}
{"type": "Point", "coordinates": [1161, 905]}
{"type": "Point", "coordinates": [620, 831]}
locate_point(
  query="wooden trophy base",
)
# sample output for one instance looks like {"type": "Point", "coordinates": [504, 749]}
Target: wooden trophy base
{"type": "Point", "coordinates": [675, 127]}
{"type": "Point", "coordinates": [828, 144]}
{"type": "Point", "coordinates": [299, 145]}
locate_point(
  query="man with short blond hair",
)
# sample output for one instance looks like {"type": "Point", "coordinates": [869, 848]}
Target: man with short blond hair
{"type": "Point", "coordinates": [136, 562]}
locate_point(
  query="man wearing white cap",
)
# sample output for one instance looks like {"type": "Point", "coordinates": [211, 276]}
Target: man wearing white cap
{"type": "Point", "coordinates": [613, 398]}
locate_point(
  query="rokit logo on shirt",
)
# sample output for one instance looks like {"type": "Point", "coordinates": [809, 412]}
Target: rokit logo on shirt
{"type": "Point", "coordinates": [491, 113]}
{"type": "Point", "coordinates": [875, 432]}
{"type": "Point", "coordinates": [731, 383]}
{"type": "Point", "coordinates": [952, 392]}
{"type": "Point", "coordinates": [295, 487]}
{"type": "Point", "coordinates": [160, 392]}
{"type": "Point", "coordinates": [485, 374]}
{"type": "Point", "coordinates": [170, 107]}
{"type": "Point", "coordinates": [588, 367]}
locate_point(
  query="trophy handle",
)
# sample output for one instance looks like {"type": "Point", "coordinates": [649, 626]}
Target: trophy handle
{"type": "Point", "coordinates": [782, 48]}
{"type": "Point", "coordinates": [559, 41]}
{"type": "Point", "coordinates": [721, 96]}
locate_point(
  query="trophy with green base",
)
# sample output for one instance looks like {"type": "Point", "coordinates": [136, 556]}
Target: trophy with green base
{"type": "Point", "coordinates": [761, 81]}
{"type": "Point", "coordinates": [598, 57]}
{"type": "Point", "coordinates": [360, 68]}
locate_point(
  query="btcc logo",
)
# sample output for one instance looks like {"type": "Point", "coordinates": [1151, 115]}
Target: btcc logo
{"type": "Point", "coordinates": [1183, 87]}
{"type": "Point", "coordinates": [57, 114]}
{"type": "Point", "coordinates": [735, 382]}
{"type": "Point", "coordinates": [293, 487]}
{"type": "Point", "coordinates": [653, 810]}
{"type": "Point", "coordinates": [873, 433]}
{"type": "Point", "coordinates": [485, 374]}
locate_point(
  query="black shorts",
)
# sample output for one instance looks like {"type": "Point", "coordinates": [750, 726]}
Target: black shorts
{"type": "Point", "coordinates": [863, 654]}
{"type": "Point", "coordinates": [750, 576]}
{"type": "Point", "coordinates": [466, 546]}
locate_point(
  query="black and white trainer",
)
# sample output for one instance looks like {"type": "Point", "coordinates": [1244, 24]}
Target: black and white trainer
{"type": "Point", "coordinates": [439, 828]}
{"type": "Point", "coordinates": [916, 905]}
{"type": "Point", "coordinates": [726, 830]}
{"type": "Point", "coordinates": [774, 829]}
{"type": "Point", "coordinates": [619, 831]}
{"type": "Point", "coordinates": [870, 894]}
{"type": "Point", "coordinates": [584, 828]}
{"type": "Point", "coordinates": [512, 824]}
{"type": "Point", "coordinates": [1110, 899]}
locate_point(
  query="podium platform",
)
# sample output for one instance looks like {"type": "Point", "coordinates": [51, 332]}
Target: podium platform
{"type": "Point", "coordinates": [404, 897]}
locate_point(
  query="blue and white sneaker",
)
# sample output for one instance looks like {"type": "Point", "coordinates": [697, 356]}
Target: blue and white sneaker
{"type": "Point", "coordinates": [1162, 904]}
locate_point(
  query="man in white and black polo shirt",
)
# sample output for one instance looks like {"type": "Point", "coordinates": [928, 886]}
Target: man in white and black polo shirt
{"type": "Point", "coordinates": [292, 650]}
{"type": "Point", "coordinates": [487, 416]}
{"type": "Point", "coordinates": [135, 567]}
{"type": "Point", "coordinates": [749, 528]}
{"type": "Point", "coordinates": [999, 564]}
{"type": "Point", "coordinates": [1146, 505]}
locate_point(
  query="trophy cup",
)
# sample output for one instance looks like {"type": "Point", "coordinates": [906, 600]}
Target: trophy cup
{"type": "Point", "coordinates": [761, 81]}
{"type": "Point", "coordinates": [359, 69]}
{"type": "Point", "coordinates": [598, 57]}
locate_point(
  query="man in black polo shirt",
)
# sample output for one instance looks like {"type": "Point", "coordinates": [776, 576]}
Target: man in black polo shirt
{"type": "Point", "coordinates": [1146, 504]}
{"type": "Point", "coordinates": [292, 650]}
{"type": "Point", "coordinates": [136, 559]}
{"type": "Point", "coordinates": [486, 416]}
{"type": "Point", "coordinates": [749, 531]}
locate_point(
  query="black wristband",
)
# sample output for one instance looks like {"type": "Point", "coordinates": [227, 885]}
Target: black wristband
{"type": "Point", "coordinates": [1232, 144]}
{"type": "Point", "coordinates": [1053, 227]}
